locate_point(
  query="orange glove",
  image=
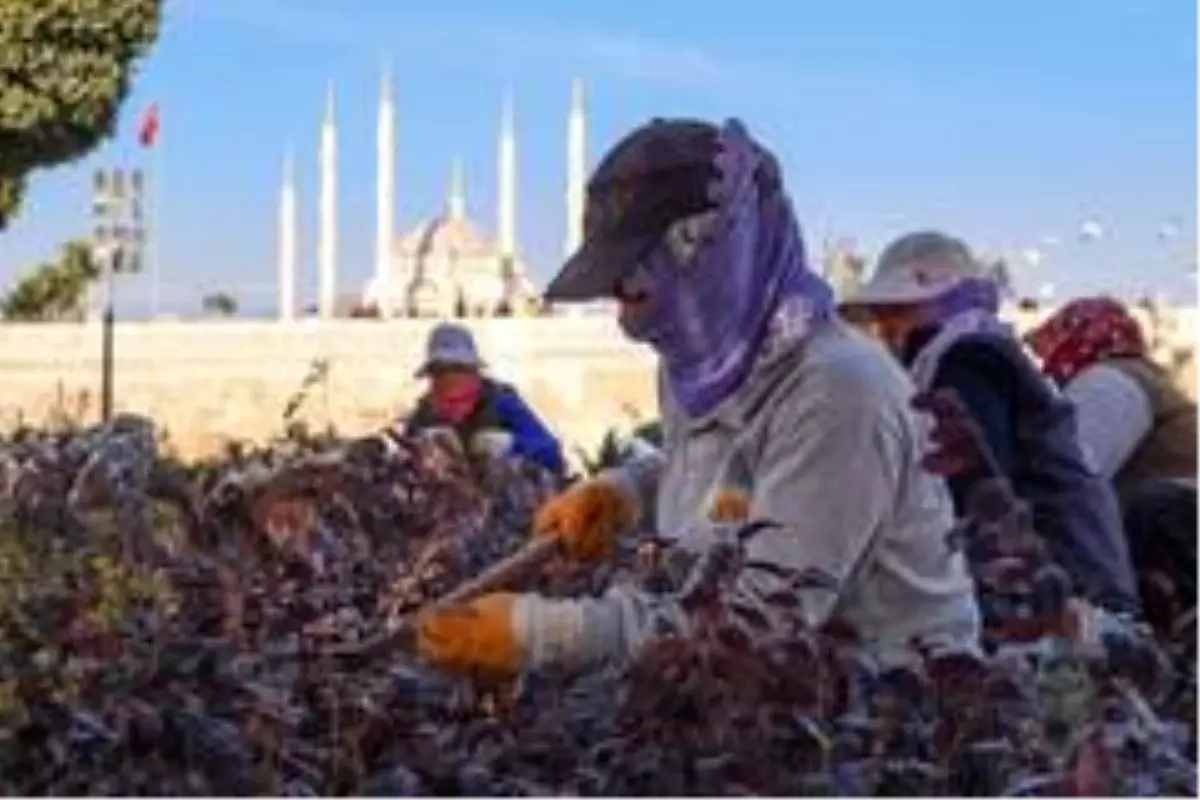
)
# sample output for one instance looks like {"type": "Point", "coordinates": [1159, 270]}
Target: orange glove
{"type": "Point", "coordinates": [730, 505]}
{"type": "Point", "coordinates": [587, 519]}
{"type": "Point", "coordinates": [476, 636]}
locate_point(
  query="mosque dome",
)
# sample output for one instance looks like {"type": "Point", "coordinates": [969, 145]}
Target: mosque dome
{"type": "Point", "coordinates": [445, 236]}
{"type": "Point", "coordinates": [446, 265]}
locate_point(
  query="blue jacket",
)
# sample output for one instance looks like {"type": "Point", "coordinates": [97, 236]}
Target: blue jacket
{"type": "Point", "coordinates": [500, 406]}
{"type": "Point", "coordinates": [1030, 428]}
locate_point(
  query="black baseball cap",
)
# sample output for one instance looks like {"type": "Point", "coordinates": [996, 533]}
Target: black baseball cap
{"type": "Point", "coordinates": [659, 173]}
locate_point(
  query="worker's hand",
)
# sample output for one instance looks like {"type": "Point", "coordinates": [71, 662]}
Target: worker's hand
{"type": "Point", "coordinates": [494, 443]}
{"type": "Point", "coordinates": [473, 637]}
{"type": "Point", "coordinates": [500, 634]}
{"type": "Point", "coordinates": [959, 445]}
{"type": "Point", "coordinates": [587, 519]}
{"type": "Point", "coordinates": [444, 437]}
{"type": "Point", "coordinates": [1091, 627]}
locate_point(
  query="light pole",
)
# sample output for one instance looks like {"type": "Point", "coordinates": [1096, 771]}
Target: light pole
{"type": "Point", "coordinates": [117, 238]}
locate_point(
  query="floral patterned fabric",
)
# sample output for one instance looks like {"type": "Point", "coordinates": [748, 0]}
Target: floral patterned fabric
{"type": "Point", "coordinates": [1085, 332]}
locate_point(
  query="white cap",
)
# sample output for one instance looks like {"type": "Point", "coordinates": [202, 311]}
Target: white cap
{"type": "Point", "coordinates": [450, 345]}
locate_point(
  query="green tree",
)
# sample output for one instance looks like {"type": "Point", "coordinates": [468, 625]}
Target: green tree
{"type": "Point", "coordinates": [65, 68]}
{"type": "Point", "coordinates": [221, 304]}
{"type": "Point", "coordinates": [55, 291]}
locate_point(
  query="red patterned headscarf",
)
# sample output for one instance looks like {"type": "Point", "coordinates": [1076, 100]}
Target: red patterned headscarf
{"type": "Point", "coordinates": [1084, 332]}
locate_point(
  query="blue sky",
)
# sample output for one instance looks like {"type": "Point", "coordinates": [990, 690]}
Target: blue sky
{"type": "Point", "coordinates": [1004, 121]}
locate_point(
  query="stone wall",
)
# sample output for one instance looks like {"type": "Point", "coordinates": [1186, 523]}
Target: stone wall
{"type": "Point", "coordinates": [214, 381]}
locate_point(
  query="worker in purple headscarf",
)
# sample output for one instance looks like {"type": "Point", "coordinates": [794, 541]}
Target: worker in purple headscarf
{"type": "Point", "coordinates": [773, 409]}
{"type": "Point", "coordinates": [936, 305]}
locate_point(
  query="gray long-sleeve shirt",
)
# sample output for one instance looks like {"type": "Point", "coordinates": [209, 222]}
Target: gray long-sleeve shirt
{"type": "Point", "coordinates": [1113, 416]}
{"type": "Point", "coordinates": [823, 440]}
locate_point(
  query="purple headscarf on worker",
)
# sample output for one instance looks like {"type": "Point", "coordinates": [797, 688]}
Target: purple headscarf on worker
{"type": "Point", "coordinates": [723, 280]}
{"type": "Point", "coordinates": [969, 308]}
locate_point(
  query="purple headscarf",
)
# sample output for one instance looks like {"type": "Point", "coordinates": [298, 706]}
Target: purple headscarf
{"type": "Point", "coordinates": [970, 294]}
{"type": "Point", "coordinates": [720, 281]}
{"type": "Point", "coordinates": [967, 308]}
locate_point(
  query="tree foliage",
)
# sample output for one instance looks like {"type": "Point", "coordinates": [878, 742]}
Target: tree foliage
{"type": "Point", "coordinates": [65, 68]}
{"type": "Point", "coordinates": [55, 291]}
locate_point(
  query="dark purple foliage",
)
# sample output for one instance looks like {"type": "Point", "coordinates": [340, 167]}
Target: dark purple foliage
{"type": "Point", "coordinates": [275, 559]}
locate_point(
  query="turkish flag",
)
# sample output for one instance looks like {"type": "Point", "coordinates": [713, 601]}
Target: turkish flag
{"type": "Point", "coordinates": [148, 132]}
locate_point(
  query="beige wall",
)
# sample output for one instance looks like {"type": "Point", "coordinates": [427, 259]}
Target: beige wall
{"type": "Point", "coordinates": [213, 381]}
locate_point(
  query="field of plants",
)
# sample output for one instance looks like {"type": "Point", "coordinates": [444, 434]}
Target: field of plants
{"type": "Point", "coordinates": [170, 629]}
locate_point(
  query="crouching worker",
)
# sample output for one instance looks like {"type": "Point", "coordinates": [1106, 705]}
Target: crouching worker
{"type": "Point", "coordinates": [1139, 430]}
{"type": "Point", "coordinates": [1135, 423]}
{"type": "Point", "coordinates": [936, 307]}
{"type": "Point", "coordinates": [487, 416]}
{"type": "Point", "coordinates": [762, 389]}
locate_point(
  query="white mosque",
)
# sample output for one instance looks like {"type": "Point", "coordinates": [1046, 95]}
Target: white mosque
{"type": "Point", "coordinates": [446, 265]}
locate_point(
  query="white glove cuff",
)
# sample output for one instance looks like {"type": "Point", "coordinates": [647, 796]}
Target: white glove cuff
{"type": "Point", "coordinates": [496, 444]}
{"type": "Point", "coordinates": [549, 631]}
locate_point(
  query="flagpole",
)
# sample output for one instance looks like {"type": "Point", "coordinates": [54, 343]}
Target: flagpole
{"type": "Point", "coordinates": [148, 138]}
{"type": "Point", "coordinates": [155, 225]}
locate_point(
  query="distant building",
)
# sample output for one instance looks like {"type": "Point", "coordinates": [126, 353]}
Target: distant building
{"type": "Point", "coordinates": [844, 267]}
{"type": "Point", "coordinates": [445, 265]}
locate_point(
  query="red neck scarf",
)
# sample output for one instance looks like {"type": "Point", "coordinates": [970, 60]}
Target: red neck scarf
{"type": "Point", "coordinates": [455, 396]}
{"type": "Point", "coordinates": [1085, 332]}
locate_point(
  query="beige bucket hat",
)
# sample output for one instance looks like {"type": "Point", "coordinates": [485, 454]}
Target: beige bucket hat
{"type": "Point", "coordinates": [918, 267]}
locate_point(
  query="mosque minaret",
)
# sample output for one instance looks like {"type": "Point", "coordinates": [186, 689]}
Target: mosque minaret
{"type": "Point", "coordinates": [506, 183]}
{"type": "Point", "coordinates": [444, 265]}
{"type": "Point", "coordinates": [385, 189]}
{"type": "Point", "coordinates": [327, 213]}
{"type": "Point", "coordinates": [287, 241]}
{"type": "Point", "coordinates": [576, 167]}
